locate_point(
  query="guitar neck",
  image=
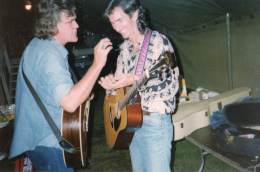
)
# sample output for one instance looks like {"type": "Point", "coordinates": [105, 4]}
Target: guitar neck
{"type": "Point", "coordinates": [131, 92]}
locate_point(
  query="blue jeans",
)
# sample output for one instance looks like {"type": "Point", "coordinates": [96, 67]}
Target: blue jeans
{"type": "Point", "coordinates": [151, 145]}
{"type": "Point", "coordinates": [47, 159]}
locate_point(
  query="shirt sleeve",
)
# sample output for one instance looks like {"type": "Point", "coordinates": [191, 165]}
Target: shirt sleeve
{"type": "Point", "coordinates": [162, 88]}
{"type": "Point", "coordinates": [120, 62]}
{"type": "Point", "coordinates": [56, 76]}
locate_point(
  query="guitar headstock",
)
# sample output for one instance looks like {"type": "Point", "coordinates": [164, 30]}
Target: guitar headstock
{"type": "Point", "coordinates": [167, 58]}
{"type": "Point", "coordinates": [164, 63]}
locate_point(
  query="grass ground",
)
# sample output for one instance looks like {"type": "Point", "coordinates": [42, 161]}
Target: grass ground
{"type": "Point", "coordinates": [186, 157]}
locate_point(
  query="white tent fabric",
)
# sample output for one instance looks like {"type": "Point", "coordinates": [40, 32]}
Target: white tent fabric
{"type": "Point", "coordinates": [216, 40]}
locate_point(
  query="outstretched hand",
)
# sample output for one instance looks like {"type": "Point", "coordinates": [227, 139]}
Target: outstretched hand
{"type": "Point", "coordinates": [101, 51]}
{"type": "Point", "coordinates": [111, 82]}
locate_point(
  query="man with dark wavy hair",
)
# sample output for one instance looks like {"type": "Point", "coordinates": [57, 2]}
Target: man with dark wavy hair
{"type": "Point", "coordinates": [45, 63]}
{"type": "Point", "coordinates": [151, 145]}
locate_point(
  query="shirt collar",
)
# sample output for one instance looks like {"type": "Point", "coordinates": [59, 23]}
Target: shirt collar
{"type": "Point", "coordinates": [61, 48]}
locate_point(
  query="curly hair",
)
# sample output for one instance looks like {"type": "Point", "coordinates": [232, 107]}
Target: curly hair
{"type": "Point", "coordinates": [129, 7]}
{"type": "Point", "coordinates": [48, 16]}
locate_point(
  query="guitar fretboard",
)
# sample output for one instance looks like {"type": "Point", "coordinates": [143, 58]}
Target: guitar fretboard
{"type": "Point", "coordinates": [131, 92]}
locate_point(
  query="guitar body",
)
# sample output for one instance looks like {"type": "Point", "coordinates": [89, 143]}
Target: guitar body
{"type": "Point", "coordinates": [120, 117]}
{"type": "Point", "coordinates": [74, 129]}
{"type": "Point", "coordinates": [118, 121]}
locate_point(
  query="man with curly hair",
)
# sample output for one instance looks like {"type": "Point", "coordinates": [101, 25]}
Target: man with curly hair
{"type": "Point", "coordinates": [45, 63]}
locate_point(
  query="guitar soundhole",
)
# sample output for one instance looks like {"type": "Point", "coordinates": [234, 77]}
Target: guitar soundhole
{"type": "Point", "coordinates": [182, 125]}
{"type": "Point", "coordinates": [206, 114]}
{"type": "Point", "coordinates": [115, 122]}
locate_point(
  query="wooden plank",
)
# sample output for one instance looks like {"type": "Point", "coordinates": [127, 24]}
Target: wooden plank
{"type": "Point", "coordinates": [5, 89]}
{"type": "Point", "coordinates": [6, 60]}
{"type": "Point", "coordinates": [2, 94]}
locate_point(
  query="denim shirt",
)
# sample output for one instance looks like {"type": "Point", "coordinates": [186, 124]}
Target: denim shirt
{"type": "Point", "coordinates": [46, 65]}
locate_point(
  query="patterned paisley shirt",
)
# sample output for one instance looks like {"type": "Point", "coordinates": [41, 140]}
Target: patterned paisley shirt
{"type": "Point", "coordinates": [158, 93]}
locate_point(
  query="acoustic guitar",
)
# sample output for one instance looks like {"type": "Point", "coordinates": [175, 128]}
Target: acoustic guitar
{"type": "Point", "coordinates": [120, 115]}
{"type": "Point", "coordinates": [74, 128]}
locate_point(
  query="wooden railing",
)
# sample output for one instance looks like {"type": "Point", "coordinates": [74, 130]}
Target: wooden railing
{"type": "Point", "coordinates": [5, 71]}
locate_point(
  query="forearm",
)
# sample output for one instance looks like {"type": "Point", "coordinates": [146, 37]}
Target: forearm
{"type": "Point", "coordinates": [81, 90]}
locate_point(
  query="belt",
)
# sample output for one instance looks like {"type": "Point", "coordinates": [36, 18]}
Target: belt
{"type": "Point", "coordinates": [146, 113]}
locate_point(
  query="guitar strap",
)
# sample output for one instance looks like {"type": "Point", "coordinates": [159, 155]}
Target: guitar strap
{"type": "Point", "coordinates": [143, 53]}
{"type": "Point", "coordinates": [66, 145]}
{"type": "Point", "coordinates": [141, 60]}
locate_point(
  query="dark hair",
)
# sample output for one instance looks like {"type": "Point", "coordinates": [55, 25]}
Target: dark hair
{"type": "Point", "coordinates": [48, 16]}
{"type": "Point", "coordinates": [129, 7]}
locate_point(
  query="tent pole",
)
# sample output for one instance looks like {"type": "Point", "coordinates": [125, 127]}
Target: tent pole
{"type": "Point", "coordinates": [230, 69]}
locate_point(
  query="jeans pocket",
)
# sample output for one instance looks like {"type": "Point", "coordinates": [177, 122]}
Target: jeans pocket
{"type": "Point", "coordinates": [153, 121]}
